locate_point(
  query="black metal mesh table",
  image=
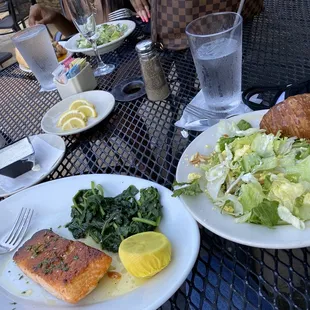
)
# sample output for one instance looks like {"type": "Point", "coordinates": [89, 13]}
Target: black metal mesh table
{"type": "Point", "coordinates": [139, 139]}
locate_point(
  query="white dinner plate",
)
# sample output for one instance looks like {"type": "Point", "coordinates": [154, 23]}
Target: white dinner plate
{"type": "Point", "coordinates": [202, 209]}
{"type": "Point", "coordinates": [103, 101]}
{"type": "Point", "coordinates": [53, 141]}
{"type": "Point", "coordinates": [52, 202]}
{"type": "Point", "coordinates": [71, 45]}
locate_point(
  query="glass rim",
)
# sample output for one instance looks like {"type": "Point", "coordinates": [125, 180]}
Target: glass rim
{"type": "Point", "coordinates": [29, 29]}
{"type": "Point", "coordinates": [218, 33]}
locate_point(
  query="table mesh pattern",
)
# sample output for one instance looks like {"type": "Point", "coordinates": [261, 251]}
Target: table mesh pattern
{"type": "Point", "coordinates": [139, 138]}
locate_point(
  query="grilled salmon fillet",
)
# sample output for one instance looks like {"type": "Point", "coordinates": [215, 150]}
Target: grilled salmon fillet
{"type": "Point", "coordinates": [67, 269]}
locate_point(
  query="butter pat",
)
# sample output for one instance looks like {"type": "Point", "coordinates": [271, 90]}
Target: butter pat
{"type": "Point", "coordinates": [17, 158]}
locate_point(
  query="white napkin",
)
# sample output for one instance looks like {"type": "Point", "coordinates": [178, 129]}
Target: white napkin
{"type": "Point", "coordinates": [190, 122]}
{"type": "Point", "coordinates": [45, 156]}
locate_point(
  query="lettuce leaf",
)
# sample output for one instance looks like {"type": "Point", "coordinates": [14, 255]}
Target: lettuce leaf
{"type": "Point", "coordinates": [249, 161]}
{"type": "Point", "coordinates": [251, 195]}
{"type": "Point", "coordinates": [285, 192]}
{"type": "Point", "coordinates": [283, 146]}
{"type": "Point", "coordinates": [266, 213]}
{"type": "Point", "coordinates": [244, 125]}
{"type": "Point", "coordinates": [302, 207]}
{"type": "Point", "coordinates": [223, 141]}
{"type": "Point", "coordinates": [301, 167]}
{"type": "Point", "coordinates": [240, 142]}
{"type": "Point", "coordinates": [191, 189]}
{"type": "Point", "coordinates": [231, 129]}
{"type": "Point", "coordinates": [216, 176]}
{"type": "Point", "coordinates": [287, 216]}
{"type": "Point", "coordinates": [263, 145]}
{"type": "Point", "coordinates": [266, 164]}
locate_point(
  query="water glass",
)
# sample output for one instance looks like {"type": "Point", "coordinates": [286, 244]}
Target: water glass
{"type": "Point", "coordinates": [35, 46]}
{"type": "Point", "coordinates": [216, 45]}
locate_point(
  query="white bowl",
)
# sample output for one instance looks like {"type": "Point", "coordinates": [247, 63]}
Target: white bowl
{"type": "Point", "coordinates": [71, 45]}
{"type": "Point", "coordinates": [102, 100]}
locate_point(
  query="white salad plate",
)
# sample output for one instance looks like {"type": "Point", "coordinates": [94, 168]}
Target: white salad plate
{"type": "Point", "coordinates": [103, 101]}
{"type": "Point", "coordinates": [71, 45]}
{"type": "Point", "coordinates": [208, 215]}
{"type": "Point", "coordinates": [34, 178]}
{"type": "Point", "coordinates": [52, 202]}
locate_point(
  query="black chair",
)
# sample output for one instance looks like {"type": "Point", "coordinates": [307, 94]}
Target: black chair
{"type": "Point", "coordinates": [18, 13]}
{"type": "Point", "coordinates": [4, 6]}
{"type": "Point", "coordinates": [4, 56]}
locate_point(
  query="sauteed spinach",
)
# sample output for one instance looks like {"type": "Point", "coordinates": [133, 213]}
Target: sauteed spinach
{"type": "Point", "coordinates": [109, 220]}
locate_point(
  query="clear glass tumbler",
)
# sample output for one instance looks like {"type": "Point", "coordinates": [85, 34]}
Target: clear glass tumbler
{"type": "Point", "coordinates": [35, 46]}
{"type": "Point", "coordinates": [216, 45]}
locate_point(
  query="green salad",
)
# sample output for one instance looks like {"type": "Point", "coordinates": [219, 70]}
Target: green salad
{"type": "Point", "coordinates": [106, 33]}
{"type": "Point", "coordinates": [256, 177]}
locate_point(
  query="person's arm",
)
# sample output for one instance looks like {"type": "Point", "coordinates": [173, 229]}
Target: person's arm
{"type": "Point", "coordinates": [65, 26]}
{"type": "Point", "coordinates": [42, 15]}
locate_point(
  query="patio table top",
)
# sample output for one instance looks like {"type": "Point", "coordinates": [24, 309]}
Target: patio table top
{"type": "Point", "coordinates": [139, 139]}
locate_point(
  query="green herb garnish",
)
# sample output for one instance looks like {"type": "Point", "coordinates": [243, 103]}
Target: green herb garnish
{"type": "Point", "coordinates": [35, 249]}
{"type": "Point", "coordinates": [48, 265]}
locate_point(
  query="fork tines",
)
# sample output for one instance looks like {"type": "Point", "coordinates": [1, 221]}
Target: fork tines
{"type": "Point", "coordinates": [20, 226]}
{"type": "Point", "coordinates": [203, 113]}
{"type": "Point", "coordinates": [120, 14]}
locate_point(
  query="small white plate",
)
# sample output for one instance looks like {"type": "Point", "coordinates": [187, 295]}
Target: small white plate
{"type": "Point", "coordinates": [52, 140]}
{"type": "Point", "coordinates": [103, 101]}
{"type": "Point", "coordinates": [21, 67]}
{"type": "Point", "coordinates": [202, 209]}
{"type": "Point", "coordinates": [52, 202]}
{"type": "Point", "coordinates": [71, 45]}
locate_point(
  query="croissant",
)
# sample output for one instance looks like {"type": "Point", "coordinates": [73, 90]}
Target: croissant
{"type": "Point", "coordinates": [292, 117]}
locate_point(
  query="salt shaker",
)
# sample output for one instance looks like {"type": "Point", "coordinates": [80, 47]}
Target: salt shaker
{"type": "Point", "coordinates": [156, 86]}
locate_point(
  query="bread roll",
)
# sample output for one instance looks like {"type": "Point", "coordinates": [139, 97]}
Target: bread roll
{"type": "Point", "coordinates": [20, 59]}
{"type": "Point", "coordinates": [60, 51]}
{"type": "Point", "coordinates": [292, 117]}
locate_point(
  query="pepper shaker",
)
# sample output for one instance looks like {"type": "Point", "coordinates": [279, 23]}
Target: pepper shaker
{"type": "Point", "coordinates": [156, 85]}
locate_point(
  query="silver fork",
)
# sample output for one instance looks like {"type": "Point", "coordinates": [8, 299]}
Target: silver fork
{"type": "Point", "coordinates": [13, 238]}
{"type": "Point", "coordinates": [203, 113]}
{"type": "Point", "coordinates": [120, 14]}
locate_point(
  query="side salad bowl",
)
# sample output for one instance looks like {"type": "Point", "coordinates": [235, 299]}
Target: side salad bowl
{"type": "Point", "coordinates": [72, 44]}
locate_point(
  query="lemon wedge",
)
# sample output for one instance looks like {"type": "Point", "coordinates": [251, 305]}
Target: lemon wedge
{"type": "Point", "coordinates": [87, 110]}
{"type": "Point", "coordinates": [77, 103]}
{"type": "Point", "coordinates": [70, 114]}
{"type": "Point", "coordinates": [145, 254]}
{"type": "Point", "coordinates": [73, 123]}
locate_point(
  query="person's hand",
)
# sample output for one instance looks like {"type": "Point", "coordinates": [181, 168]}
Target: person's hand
{"type": "Point", "coordinates": [142, 8]}
{"type": "Point", "coordinates": [41, 15]}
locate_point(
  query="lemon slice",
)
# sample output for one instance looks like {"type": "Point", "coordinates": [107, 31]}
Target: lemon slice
{"type": "Point", "coordinates": [77, 103]}
{"type": "Point", "coordinates": [73, 123]}
{"type": "Point", "coordinates": [145, 254]}
{"type": "Point", "coordinates": [87, 110]}
{"type": "Point", "coordinates": [69, 114]}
